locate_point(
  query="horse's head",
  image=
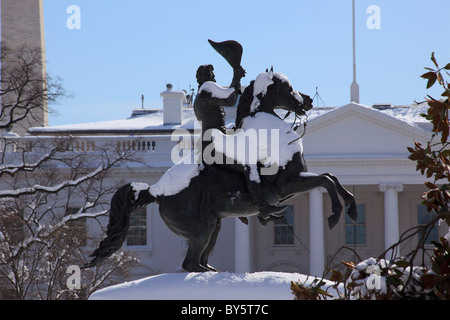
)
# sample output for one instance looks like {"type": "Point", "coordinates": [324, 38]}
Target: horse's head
{"type": "Point", "coordinates": [270, 91]}
{"type": "Point", "coordinates": [282, 95]}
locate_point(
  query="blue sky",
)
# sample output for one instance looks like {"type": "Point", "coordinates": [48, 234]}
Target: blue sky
{"type": "Point", "coordinates": [128, 48]}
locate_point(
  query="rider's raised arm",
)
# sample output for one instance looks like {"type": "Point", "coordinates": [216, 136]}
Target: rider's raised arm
{"type": "Point", "coordinates": [238, 74]}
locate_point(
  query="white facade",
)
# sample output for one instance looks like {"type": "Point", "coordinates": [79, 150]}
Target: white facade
{"type": "Point", "coordinates": [363, 147]}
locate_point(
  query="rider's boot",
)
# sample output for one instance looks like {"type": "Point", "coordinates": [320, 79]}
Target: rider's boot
{"type": "Point", "coordinates": [244, 220]}
{"type": "Point", "coordinates": [266, 210]}
{"type": "Point", "coordinates": [257, 195]}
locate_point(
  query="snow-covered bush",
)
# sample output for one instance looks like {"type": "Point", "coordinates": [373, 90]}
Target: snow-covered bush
{"type": "Point", "coordinates": [381, 279]}
{"type": "Point", "coordinates": [378, 278]}
{"type": "Point", "coordinates": [438, 278]}
{"type": "Point", "coordinates": [400, 279]}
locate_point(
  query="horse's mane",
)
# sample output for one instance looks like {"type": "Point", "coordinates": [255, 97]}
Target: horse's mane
{"type": "Point", "coordinates": [243, 108]}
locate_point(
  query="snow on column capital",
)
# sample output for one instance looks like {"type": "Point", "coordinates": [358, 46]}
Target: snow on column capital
{"type": "Point", "coordinates": [397, 187]}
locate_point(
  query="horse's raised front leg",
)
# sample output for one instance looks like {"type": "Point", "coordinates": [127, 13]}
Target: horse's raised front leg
{"type": "Point", "coordinates": [348, 197]}
{"type": "Point", "coordinates": [308, 181]}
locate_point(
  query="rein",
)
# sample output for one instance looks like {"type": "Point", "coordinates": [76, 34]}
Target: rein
{"type": "Point", "coordinates": [295, 126]}
{"type": "Point", "coordinates": [305, 122]}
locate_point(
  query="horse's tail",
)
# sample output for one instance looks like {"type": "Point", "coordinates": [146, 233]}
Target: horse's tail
{"type": "Point", "coordinates": [127, 199]}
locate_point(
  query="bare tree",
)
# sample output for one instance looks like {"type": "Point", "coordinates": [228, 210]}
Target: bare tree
{"type": "Point", "coordinates": [26, 91]}
{"type": "Point", "coordinates": [51, 191]}
{"type": "Point", "coordinates": [45, 205]}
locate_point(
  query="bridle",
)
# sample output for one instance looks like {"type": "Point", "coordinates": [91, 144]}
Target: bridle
{"type": "Point", "coordinates": [296, 125]}
{"type": "Point", "coordinates": [298, 121]}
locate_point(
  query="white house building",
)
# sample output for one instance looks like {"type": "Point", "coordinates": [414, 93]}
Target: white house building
{"type": "Point", "coordinates": [365, 147]}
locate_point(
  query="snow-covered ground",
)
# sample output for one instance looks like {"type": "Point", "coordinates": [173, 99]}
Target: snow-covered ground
{"type": "Point", "coordinates": [209, 286]}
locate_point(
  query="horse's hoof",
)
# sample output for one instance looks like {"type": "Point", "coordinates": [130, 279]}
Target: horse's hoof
{"type": "Point", "coordinates": [212, 269]}
{"type": "Point", "coordinates": [196, 268]}
{"type": "Point", "coordinates": [244, 220]}
{"type": "Point", "coordinates": [277, 216]}
{"type": "Point", "coordinates": [271, 218]}
{"type": "Point", "coordinates": [332, 221]}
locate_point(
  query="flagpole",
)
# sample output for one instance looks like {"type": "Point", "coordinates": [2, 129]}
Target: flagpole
{"type": "Point", "coordinates": [354, 89]}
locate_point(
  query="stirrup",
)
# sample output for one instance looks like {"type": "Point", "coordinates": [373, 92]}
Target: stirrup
{"type": "Point", "coordinates": [268, 210]}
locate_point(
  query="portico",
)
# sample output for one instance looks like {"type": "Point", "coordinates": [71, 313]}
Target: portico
{"type": "Point", "coordinates": [366, 150]}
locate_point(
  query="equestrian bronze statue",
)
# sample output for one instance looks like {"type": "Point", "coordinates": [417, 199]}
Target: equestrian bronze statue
{"type": "Point", "coordinates": [212, 192]}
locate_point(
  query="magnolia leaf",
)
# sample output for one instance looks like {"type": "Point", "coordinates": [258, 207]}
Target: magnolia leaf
{"type": "Point", "coordinates": [435, 267]}
{"type": "Point", "coordinates": [431, 76]}
{"type": "Point", "coordinates": [428, 280]}
{"type": "Point", "coordinates": [350, 265]}
{"type": "Point", "coordinates": [336, 275]}
{"type": "Point", "coordinates": [402, 263]}
{"type": "Point", "coordinates": [430, 185]}
{"type": "Point", "coordinates": [439, 78]}
{"type": "Point", "coordinates": [325, 293]}
{"type": "Point", "coordinates": [445, 134]}
{"type": "Point", "coordinates": [431, 81]}
{"type": "Point", "coordinates": [428, 75]}
{"type": "Point", "coordinates": [434, 60]}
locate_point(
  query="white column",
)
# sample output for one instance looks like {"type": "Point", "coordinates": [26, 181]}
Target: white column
{"type": "Point", "coordinates": [391, 219]}
{"type": "Point", "coordinates": [316, 233]}
{"type": "Point", "coordinates": [242, 253]}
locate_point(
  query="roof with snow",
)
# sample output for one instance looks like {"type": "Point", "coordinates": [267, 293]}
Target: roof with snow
{"type": "Point", "coordinates": [144, 121]}
{"type": "Point", "coordinates": [150, 121]}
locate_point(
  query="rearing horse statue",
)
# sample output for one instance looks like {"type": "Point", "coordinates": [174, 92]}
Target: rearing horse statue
{"type": "Point", "coordinates": [206, 195]}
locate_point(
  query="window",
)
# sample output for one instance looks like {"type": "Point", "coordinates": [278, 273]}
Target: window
{"type": "Point", "coordinates": [137, 235]}
{"type": "Point", "coordinates": [355, 232]}
{"type": "Point", "coordinates": [284, 228]}
{"type": "Point", "coordinates": [423, 218]}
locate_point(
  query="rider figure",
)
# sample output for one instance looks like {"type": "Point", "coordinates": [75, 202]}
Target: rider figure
{"type": "Point", "coordinates": [209, 111]}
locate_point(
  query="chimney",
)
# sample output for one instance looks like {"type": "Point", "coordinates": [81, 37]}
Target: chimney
{"type": "Point", "coordinates": [173, 104]}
